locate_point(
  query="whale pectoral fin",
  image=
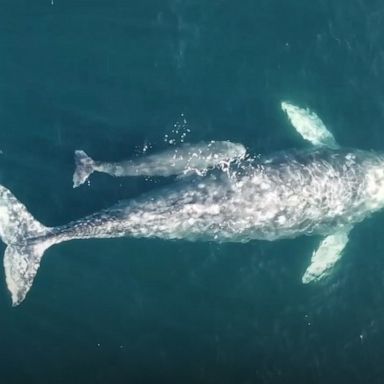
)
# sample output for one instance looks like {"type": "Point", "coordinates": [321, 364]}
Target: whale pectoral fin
{"type": "Point", "coordinates": [325, 257]}
{"type": "Point", "coordinates": [309, 125]}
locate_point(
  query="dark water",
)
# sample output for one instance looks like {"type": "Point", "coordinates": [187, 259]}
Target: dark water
{"type": "Point", "coordinates": [108, 76]}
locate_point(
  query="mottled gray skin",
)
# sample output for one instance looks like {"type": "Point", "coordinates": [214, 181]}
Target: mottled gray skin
{"type": "Point", "coordinates": [319, 191]}
{"type": "Point", "coordinates": [291, 194]}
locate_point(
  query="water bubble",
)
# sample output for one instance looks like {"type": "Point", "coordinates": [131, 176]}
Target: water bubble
{"type": "Point", "coordinates": [178, 133]}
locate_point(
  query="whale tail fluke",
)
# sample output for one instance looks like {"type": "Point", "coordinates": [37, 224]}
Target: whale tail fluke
{"type": "Point", "coordinates": [84, 167]}
{"type": "Point", "coordinates": [26, 241]}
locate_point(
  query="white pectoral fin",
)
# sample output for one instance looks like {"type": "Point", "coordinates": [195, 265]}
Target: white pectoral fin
{"type": "Point", "coordinates": [325, 257]}
{"type": "Point", "coordinates": [309, 125]}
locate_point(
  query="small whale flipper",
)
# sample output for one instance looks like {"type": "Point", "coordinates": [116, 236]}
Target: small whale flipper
{"type": "Point", "coordinates": [84, 167]}
{"type": "Point", "coordinates": [309, 126]}
{"type": "Point", "coordinates": [325, 257]}
{"type": "Point", "coordinates": [27, 240]}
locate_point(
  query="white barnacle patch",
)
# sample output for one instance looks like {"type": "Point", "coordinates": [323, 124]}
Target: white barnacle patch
{"type": "Point", "coordinates": [214, 209]}
{"type": "Point", "coordinates": [375, 187]}
{"type": "Point", "coordinates": [4, 219]}
{"type": "Point", "coordinates": [351, 158]}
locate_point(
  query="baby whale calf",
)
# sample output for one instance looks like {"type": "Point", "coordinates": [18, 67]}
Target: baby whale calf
{"type": "Point", "coordinates": [322, 190]}
{"type": "Point", "coordinates": [187, 158]}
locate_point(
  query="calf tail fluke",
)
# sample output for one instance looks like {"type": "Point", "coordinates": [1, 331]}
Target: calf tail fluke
{"type": "Point", "coordinates": [26, 241]}
{"type": "Point", "coordinates": [84, 167]}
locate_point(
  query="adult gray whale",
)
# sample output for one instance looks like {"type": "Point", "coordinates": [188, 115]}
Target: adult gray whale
{"type": "Point", "coordinates": [320, 190]}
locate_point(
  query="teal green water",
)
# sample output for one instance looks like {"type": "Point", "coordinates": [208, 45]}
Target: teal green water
{"type": "Point", "coordinates": [109, 76]}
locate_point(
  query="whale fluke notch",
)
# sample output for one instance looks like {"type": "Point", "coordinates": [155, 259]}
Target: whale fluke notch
{"type": "Point", "coordinates": [309, 126]}
{"type": "Point", "coordinates": [84, 168]}
{"type": "Point", "coordinates": [325, 257]}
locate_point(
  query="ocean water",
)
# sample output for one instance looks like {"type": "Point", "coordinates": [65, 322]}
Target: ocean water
{"type": "Point", "coordinates": [113, 76]}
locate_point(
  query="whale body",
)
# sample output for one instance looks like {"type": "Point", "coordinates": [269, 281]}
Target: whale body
{"type": "Point", "coordinates": [319, 190]}
{"type": "Point", "coordinates": [184, 159]}
{"type": "Point", "coordinates": [296, 193]}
